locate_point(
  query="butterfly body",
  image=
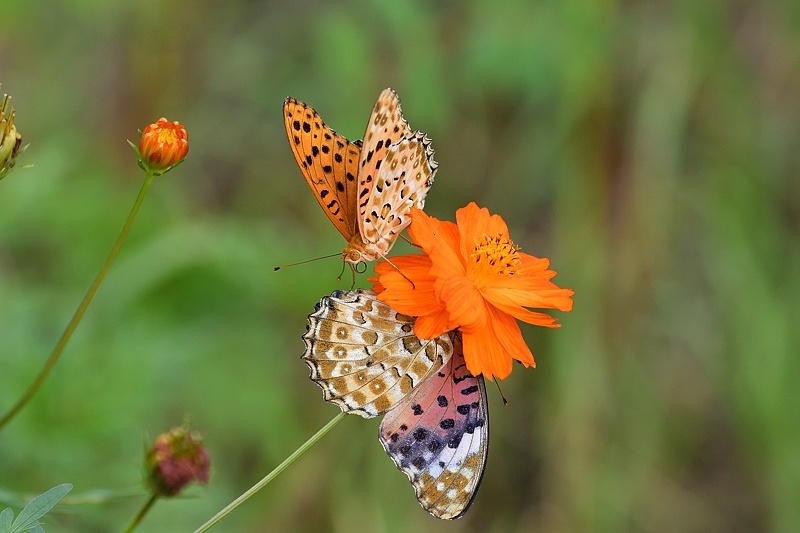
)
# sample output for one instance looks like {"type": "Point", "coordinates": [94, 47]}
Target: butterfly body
{"type": "Point", "coordinates": [365, 188]}
{"type": "Point", "coordinates": [368, 361]}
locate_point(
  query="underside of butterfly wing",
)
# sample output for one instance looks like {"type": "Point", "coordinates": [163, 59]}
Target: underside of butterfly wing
{"type": "Point", "coordinates": [329, 163]}
{"type": "Point", "coordinates": [404, 179]}
{"type": "Point", "coordinates": [386, 127]}
{"type": "Point", "coordinates": [365, 356]}
{"type": "Point", "coordinates": [439, 437]}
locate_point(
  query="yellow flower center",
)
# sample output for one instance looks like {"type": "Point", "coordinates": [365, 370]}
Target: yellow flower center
{"type": "Point", "coordinates": [494, 256]}
{"type": "Point", "coordinates": [166, 135]}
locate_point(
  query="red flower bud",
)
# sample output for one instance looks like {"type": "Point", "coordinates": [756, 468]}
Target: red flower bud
{"type": "Point", "coordinates": [176, 459]}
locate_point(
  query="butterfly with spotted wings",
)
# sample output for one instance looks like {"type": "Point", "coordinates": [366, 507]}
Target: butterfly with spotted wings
{"type": "Point", "coordinates": [366, 188]}
{"type": "Point", "coordinates": [366, 359]}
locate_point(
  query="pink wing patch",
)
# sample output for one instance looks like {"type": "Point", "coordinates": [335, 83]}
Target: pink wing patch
{"type": "Point", "coordinates": [438, 436]}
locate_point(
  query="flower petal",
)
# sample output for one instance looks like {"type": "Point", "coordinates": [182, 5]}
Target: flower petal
{"type": "Point", "coordinates": [432, 325]}
{"type": "Point", "coordinates": [493, 348]}
{"type": "Point", "coordinates": [551, 297]}
{"type": "Point", "coordinates": [474, 222]}
{"type": "Point", "coordinates": [484, 355]}
{"type": "Point", "coordinates": [529, 287]}
{"type": "Point", "coordinates": [377, 288]}
{"type": "Point", "coordinates": [463, 301]}
{"type": "Point", "coordinates": [440, 240]}
{"type": "Point", "coordinates": [414, 300]}
{"type": "Point", "coordinates": [533, 263]}
{"type": "Point", "coordinates": [507, 330]}
{"type": "Point", "coordinates": [531, 317]}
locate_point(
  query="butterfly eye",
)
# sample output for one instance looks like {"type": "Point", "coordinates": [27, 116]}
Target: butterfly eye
{"type": "Point", "coordinates": [353, 256]}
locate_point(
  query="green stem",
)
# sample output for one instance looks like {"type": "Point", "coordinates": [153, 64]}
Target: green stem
{"type": "Point", "coordinates": [76, 318]}
{"type": "Point", "coordinates": [142, 512]}
{"type": "Point", "coordinates": [269, 477]}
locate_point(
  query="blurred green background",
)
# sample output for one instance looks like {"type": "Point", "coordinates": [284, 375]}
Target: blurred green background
{"type": "Point", "coordinates": [651, 150]}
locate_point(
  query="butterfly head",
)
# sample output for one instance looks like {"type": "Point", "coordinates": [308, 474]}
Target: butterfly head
{"type": "Point", "coordinates": [357, 252]}
{"type": "Point", "coordinates": [354, 256]}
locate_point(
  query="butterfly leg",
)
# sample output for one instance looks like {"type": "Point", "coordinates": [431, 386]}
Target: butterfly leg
{"type": "Point", "coordinates": [409, 241]}
{"type": "Point", "coordinates": [413, 285]}
{"type": "Point", "coordinates": [352, 271]}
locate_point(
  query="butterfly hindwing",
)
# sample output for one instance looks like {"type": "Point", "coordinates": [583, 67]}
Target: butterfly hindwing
{"type": "Point", "coordinates": [329, 163]}
{"type": "Point", "coordinates": [386, 126]}
{"type": "Point", "coordinates": [365, 356]}
{"type": "Point", "coordinates": [403, 180]}
{"type": "Point", "coordinates": [439, 437]}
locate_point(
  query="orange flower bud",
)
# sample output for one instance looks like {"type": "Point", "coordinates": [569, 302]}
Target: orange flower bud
{"type": "Point", "coordinates": [176, 459]}
{"type": "Point", "coordinates": [163, 145]}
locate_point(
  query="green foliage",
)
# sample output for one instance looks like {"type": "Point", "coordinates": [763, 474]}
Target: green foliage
{"type": "Point", "coordinates": [28, 519]}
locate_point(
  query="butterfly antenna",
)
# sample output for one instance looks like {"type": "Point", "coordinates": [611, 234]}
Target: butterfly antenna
{"type": "Point", "coordinates": [304, 262]}
{"type": "Point", "coordinates": [505, 402]}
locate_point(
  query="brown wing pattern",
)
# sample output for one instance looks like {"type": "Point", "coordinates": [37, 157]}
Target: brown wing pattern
{"type": "Point", "coordinates": [329, 163]}
{"type": "Point", "coordinates": [403, 180]}
{"type": "Point", "coordinates": [386, 127]}
{"type": "Point", "coordinates": [438, 435]}
{"type": "Point", "coordinates": [364, 355]}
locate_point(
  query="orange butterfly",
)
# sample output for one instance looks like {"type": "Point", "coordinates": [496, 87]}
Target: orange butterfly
{"type": "Point", "coordinates": [366, 188]}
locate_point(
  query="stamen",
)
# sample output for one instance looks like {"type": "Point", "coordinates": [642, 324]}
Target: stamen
{"type": "Point", "coordinates": [167, 136]}
{"type": "Point", "coordinates": [493, 256]}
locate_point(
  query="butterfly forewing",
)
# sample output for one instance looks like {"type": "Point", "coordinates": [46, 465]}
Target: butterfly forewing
{"type": "Point", "coordinates": [439, 437]}
{"type": "Point", "coordinates": [403, 180]}
{"type": "Point", "coordinates": [365, 356]}
{"type": "Point", "coordinates": [329, 163]}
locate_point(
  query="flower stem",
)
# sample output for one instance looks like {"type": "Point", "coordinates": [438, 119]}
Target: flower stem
{"type": "Point", "coordinates": [269, 477]}
{"type": "Point", "coordinates": [142, 512]}
{"type": "Point", "coordinates": [76, 318]}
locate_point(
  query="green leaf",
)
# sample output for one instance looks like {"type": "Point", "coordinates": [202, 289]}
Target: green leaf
{"type": "Point", "coordinates": [29, 516]}
{"type": "Point", "coordinates": [6, 516]}
{"type": "Point", "coordinates": [37, 529]}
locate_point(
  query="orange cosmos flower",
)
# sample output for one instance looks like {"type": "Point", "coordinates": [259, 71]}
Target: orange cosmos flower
{"type": "Point", "coordinates": [163, 145]}
{"type": "Point", "coordinates": [474, 278]}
